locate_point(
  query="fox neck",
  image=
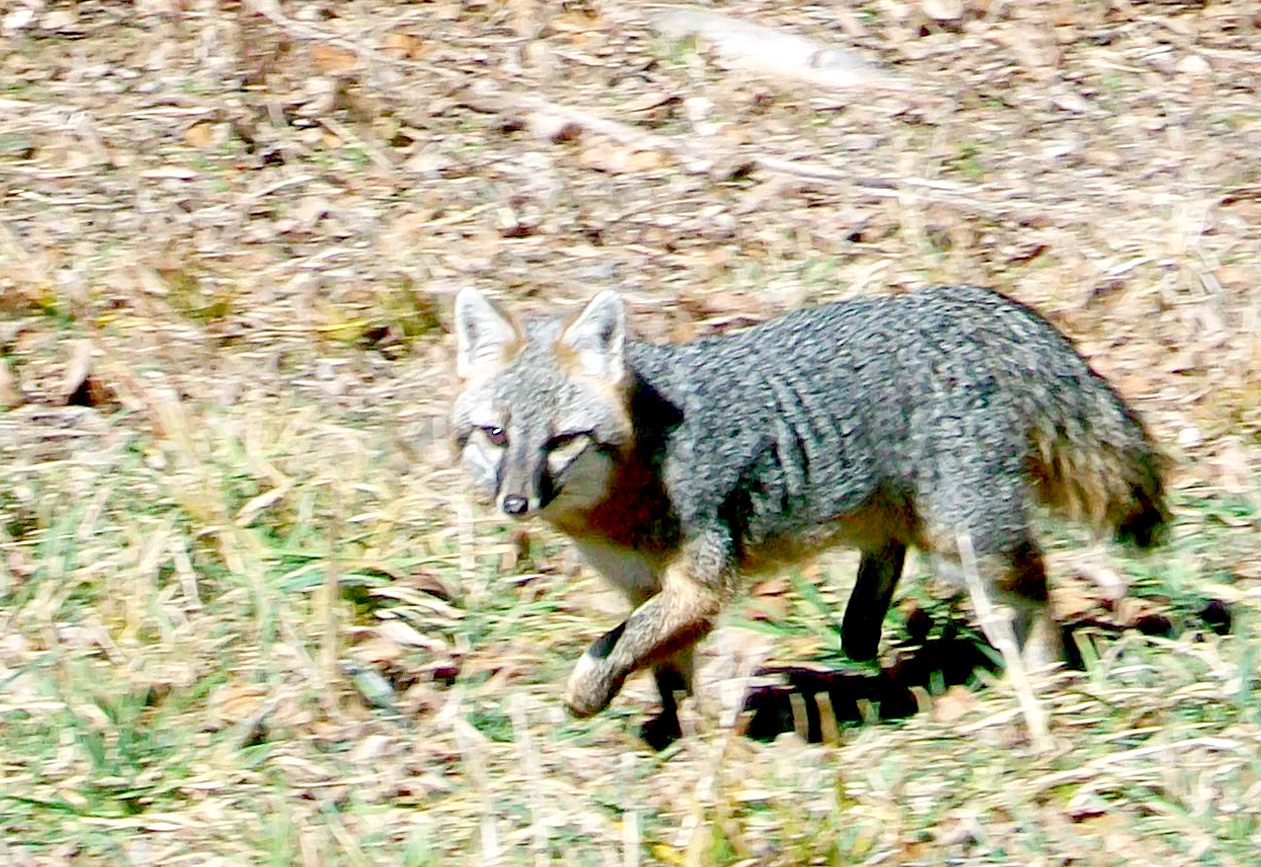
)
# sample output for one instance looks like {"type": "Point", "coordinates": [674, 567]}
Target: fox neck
{"type": "Point", "coordinates": [635, 513]}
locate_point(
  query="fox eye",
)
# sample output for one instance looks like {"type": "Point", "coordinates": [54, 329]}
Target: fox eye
{"type": "Point", "coordinates": [497, 435]}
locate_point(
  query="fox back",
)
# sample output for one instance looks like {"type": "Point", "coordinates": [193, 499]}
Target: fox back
{"type": "Point", "coordinates": [788, 426]}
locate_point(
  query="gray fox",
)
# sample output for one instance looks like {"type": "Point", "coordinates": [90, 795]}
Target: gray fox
{"type": "Point", "coordinates": [876, 424]}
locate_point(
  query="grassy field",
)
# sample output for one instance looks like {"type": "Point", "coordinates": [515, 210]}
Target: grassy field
{"type": "Point", "coordinates": [247, 615]}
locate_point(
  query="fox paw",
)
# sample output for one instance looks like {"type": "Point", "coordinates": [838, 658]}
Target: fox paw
{"type": "Point", "coordinates": [660, 731]}
{"type": "Point", "coordinates": [589, 689]}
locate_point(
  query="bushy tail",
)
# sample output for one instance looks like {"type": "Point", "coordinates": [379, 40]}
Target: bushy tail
{"type": "Point", "coordinates": [1093, 459]}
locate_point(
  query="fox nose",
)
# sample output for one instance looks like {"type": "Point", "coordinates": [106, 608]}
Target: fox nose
{"type": "Point", "coordinates": [515, 504]}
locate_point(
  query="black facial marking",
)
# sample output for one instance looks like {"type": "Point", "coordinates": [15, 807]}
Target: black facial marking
{"type": "Point", "coordinates": [547, 490]}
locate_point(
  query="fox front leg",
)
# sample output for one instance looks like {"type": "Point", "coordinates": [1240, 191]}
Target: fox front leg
{"type": "Point", "coordinates": [693, 589]}
{"type": "Point", "coordinates": [593, 683]}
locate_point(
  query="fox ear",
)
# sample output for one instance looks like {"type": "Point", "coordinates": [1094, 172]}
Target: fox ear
{"type": "Point", "coordinates": [596, 339]}
{"type": "Point", "coordinates": [483, 332]}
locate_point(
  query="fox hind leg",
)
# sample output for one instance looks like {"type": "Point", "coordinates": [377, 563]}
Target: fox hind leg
{"type": "Point", "coordinates": [1019, 580]}
{"type": "Point", "coordinates": [1012, 575]}
{"type": "Point", "coordinates": [878, 574]}
{"type": "Point", "coordinates": [985, 502]}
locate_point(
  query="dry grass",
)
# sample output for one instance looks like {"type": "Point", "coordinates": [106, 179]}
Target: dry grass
{"type": "Point", "coordinates": [247, 616]}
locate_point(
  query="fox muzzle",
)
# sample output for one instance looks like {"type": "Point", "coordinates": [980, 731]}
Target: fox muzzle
{"type": "Point", "coordinates": [524, 484]}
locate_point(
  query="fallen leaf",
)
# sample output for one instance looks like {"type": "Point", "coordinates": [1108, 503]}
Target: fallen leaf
{"type": "Point", "coordinates": [200, 134]}
{"type": "Point", "coordinates": [943, 10]}
{"type": "Point", "coordinates": [378, 651]}
{"type": "Point", "coordinates": [371, 747]}
{"type": "Point", "coordinates": [650, 100]}
{"type": "Point", "coordinates": [953, 703]}
{"type": "Point", "coordinates": [233, 702]}
{"type": "Point", "coordinates": [334, 60]}
{"type": "Point", "coordinates": [19, 18]}
{"type": "Point", "coordinates": [59, 19]}
{"type": "Point", "coordinates": [1194, 65]}
{"type": "Point", "coordinates": [401, 46]}
{"type": "Point", "coordinates": [551, 127]}
{"type": "Point", "coordinates": [404, 633]}
{"type": "Point", "coordinates": [1087, 805]}
{"type": "Point", "coordinates": [640, 161]}
{"type": "Point", "coordinates": [603, 156]}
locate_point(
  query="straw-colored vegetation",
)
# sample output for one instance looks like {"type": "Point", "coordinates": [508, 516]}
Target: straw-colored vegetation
{"type": "Point", "coordinates": [246, 615]}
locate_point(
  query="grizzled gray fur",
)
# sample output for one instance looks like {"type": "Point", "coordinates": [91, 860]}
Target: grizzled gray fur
{"type": "Point", "coordinates": [877, 424]}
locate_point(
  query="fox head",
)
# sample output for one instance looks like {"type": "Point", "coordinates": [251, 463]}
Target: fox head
{"type": "Point", "coordinates": [542, 415]}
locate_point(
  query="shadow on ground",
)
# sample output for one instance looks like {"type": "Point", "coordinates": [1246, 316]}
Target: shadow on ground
{"type": "Point", "coordinates": [816, 702]}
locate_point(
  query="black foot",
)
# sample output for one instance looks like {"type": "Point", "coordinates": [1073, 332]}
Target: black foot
{"type": "Point", "coordinates": [661, 730]}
